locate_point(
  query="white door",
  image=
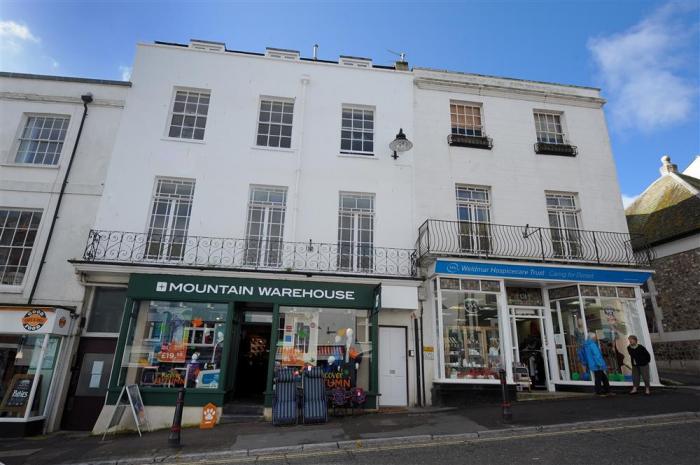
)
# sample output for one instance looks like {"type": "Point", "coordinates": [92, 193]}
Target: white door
{"type": "Point", "coordinates": [392, 366]}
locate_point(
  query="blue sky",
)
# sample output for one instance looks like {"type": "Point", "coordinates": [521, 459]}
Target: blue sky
{"type": "Point", "coordinates": [644, 54]}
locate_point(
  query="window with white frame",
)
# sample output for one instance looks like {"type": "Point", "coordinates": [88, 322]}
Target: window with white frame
{"type": "Point", "coordinates": [466, 119]}
{"type": "Point", "coordinates": [357, 130]}
{"type": "Point", "coordinates": [275, 123]}
{"type": "Point", "coordinates": [474, 215]}
{"type": "Point", "coordinates": [549, 128]}
{"type": "Point", "coordinates": [18, 231]}
{"type": "Point", "coordinates": [267, 207]}
{"type": "Point", "coordinates": [170, 219]}
{"type": "Point", "coordinates": [355, 231]}
{"type": "Point", "coordinates": [188, 117]}
{"type": "Point", "coordinates": [563, 215]}
{"type": "Point", "coordinates": [41, 140]}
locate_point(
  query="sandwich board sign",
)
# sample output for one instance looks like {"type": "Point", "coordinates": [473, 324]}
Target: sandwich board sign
{"type": "Point", "coordinates": [132, 400]}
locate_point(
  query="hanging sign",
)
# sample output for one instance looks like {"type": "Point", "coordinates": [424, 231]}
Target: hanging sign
{"type": "Point", "coordinates": [208, 416]}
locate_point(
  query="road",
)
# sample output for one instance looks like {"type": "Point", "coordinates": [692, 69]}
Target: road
{"type": "Point", "coordinates": [675, 443]}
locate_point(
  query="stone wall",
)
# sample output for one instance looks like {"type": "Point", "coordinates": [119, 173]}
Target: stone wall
{"type": "Point", "coordinates": [677, 281]}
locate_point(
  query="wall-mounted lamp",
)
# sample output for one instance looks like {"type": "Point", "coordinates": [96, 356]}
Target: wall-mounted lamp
{"type": "Point", "coordinates": [400, 144]}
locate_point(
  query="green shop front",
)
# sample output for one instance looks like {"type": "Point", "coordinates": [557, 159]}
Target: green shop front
{"type": "Point", "coordinates": [223, 338]}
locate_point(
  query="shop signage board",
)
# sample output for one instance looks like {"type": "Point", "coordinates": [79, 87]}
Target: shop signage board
{"type": "Point", "coordinates": [217, 289]}
{"type": "Point", "coordinates": [129, 397]}
{"type": "Point", "coordinates": [208, 416]}
{"type": "Point", "coordinates": [34, 320]}
{"type": "Point", "coordinates": [543, 273]}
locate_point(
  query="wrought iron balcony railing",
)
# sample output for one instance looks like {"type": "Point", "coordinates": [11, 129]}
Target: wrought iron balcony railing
{"type": "Point", "coordinates": [248, 254]}
{"type": "Point", "coordinates": [486, 240]}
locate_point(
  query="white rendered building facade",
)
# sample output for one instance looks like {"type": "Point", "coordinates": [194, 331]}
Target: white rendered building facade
{"type": "Point", "coordinates": [56, 136]}
{"type": "Point", "coordinates": [257, 217]}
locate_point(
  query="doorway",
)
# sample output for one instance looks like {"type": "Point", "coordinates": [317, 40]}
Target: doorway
{"type": "Point", "coordinates": [393, 383]}
{"type": "Point", "coordinates": [530, 344]}
{"type": "Point", "coordinates": [252, 356]}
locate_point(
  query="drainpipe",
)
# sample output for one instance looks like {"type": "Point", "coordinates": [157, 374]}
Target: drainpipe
{"type": "Point", "coordinates": [87, 98]}
{"type": "Point", "coordinates": [300, 148]}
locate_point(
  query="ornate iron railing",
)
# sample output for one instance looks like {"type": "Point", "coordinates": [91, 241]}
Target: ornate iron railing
{"type": "Point", "coordinates": [248, 254]}
{"type": "Point", "coordinates": [486, 240]}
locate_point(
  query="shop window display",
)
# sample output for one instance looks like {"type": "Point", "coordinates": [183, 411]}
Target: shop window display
{"type": "Point", "coordinates": [338, 340]}
{"type": "Point", "coordinates": [171, 344]}
{"type": "Point", "coordinates": [19, 369]}
{"type": "Point", "coordinates": [471, 335]}
{"type": "Point", "coordinates": [608, 311]}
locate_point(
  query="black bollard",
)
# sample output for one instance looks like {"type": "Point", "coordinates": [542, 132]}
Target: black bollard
{"type": "Point", "coordinates": [174, 436]}
{"type": "Point", "coordinates": [506, 412]}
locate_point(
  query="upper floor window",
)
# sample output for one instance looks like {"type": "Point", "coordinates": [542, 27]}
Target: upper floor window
{"type": "Point", "coordinates": [267, 207]}
{"type": "Point", "coordinates": [474, 215]}
{"type": "Point", "coordinates": [170, 219]}
{"type": "Point", "coordinates": [188, 118]}
{"type": "Point", "coordinates": [357, 131]}
{"type": "Point", "coordinates": [18, 230]}
{"type": "Point", "coordinates": [563, 215]}
{"type": "Point", "coordinates": [275, 123]}
{"type": "Point", "coordinates": [41, 140]}
{"type": "Point", "coordinates": [466, 119]}
{"type": "Point", "coordinates": [549, 128]}
{"type": "Point", "coordinates": [355, 231]}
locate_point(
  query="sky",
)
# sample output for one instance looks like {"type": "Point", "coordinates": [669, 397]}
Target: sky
{"type": "Point", "coordinates": [643, 54]}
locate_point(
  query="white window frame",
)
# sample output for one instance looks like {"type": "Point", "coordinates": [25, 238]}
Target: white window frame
{"type": "Point", "coordinates": [264, 249]}
{"type": "Point", "coordinates": [554, 136]}
{"type": "Point", "coordinates": [166, 242]}
{"type": "Point", "coordinates": [171, 112]}
{"type": "Point", "coordinates": [476, 129]}
{"type": "Point", "coordinates": [474, 233]}
{"type": "Point", "coordinates": [361, 253]}
{"type": "Point", "coordinates": [32, 250]}
{"type": "Point", "coordinates": [566, 240]}
{"type": "Point", "coordinates": [267, 146]}
{"type": "Point", "coordinates": [11, 158]}
{"type": "Point", "coordinates": [373, 131]}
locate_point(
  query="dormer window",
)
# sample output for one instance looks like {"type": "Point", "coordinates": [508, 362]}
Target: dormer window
{"type": "Point", "coordinates": [355, 62]}
{"type": "Point", "coordinates": [207, 46]}
{"type": "Point", "coordinates": [281, 53]}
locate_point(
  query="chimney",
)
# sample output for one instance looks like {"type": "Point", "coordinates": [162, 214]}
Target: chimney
{"type": "Point", "coordinates": [667, 167]}
{"type": "Point", "coordinates": [401, 65]}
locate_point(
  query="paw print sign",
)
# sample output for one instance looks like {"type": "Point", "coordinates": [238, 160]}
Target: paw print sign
{"type": "Point", "coordinates": [209, 415]}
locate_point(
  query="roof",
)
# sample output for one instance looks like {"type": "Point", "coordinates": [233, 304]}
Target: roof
{"type": "Point", "coordinates": [45, 77]}
{"type": "Point", "coordinates": [668, 209]}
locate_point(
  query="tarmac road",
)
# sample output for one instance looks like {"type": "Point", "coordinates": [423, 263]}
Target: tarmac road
{"type": "Point", "coordinates": [676, 442]}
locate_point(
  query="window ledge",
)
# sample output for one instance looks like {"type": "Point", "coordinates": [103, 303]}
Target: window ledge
{"type": "Point", "coordinates": [273, 149]}
{"type": "Point", "coordinates": [29, 165]}
{"type": "Point", "coordinates": [363, 155]}
{"type": "Point", "coordinates": [188, 141]}
{"type": "Point", "coordinates": [10, 289]}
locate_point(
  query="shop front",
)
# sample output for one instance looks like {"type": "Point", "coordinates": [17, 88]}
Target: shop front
{"type": "Point", "coordinates": [223, 338]}
{"type": "Point", "coordinates": [31, 340]}
{"type": "Point", "coordinates": [530, 321]}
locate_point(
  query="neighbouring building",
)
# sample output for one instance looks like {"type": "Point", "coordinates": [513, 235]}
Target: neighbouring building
{"type": "Point", "coordinates": [668, 214]}
{"type": "Point", "coordinates": [56, 136]}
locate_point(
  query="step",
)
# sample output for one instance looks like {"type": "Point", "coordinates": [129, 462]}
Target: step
{"type": "Point", "coordinates": [236, 418]}
{"type": "Point", "coordinates": [243, 409]}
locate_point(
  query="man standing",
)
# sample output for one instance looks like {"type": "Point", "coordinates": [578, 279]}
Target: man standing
{"type": "Point", "coordinates": [640, 364]}
{"type": "Point", "coordinates": [592, 359]}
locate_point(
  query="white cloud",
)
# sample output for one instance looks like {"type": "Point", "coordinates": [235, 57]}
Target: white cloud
{"type": "Point", "coordinates": [10, 30]}
{"type": "Point", "coordinates": [125, 72]}
{"type": "Point", "coordinates": [643, 68]}
{"type": "Point", "coordinates": [628, 199]}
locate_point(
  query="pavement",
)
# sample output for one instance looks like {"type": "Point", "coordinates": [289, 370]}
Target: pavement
{"type": "Point", "coordinates": [228, 443]}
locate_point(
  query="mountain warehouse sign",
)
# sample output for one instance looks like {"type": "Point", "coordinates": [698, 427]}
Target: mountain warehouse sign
{"type": "Point", "coordinates": [197, 288]}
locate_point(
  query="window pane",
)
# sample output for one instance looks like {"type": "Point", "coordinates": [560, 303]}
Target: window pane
{"type": "Point", "coordinates": [107, 310]}
{"type": "Point", "coordinates": [174, 344]}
